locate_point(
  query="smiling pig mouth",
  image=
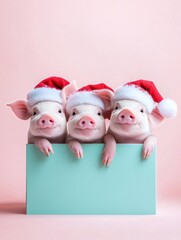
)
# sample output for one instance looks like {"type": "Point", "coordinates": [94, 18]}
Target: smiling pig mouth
{"type": "Point", "coordinates": [46, 128]}
{"type": "Point", "coordinates": [86, 129]}
{"type": "Point", "coordinates": [128, 126]}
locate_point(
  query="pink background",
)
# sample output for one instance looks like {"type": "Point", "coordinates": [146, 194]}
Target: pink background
{"type": "Point", "coordinates": [111, 41]}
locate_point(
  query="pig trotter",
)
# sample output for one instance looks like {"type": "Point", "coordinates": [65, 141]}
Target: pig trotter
{"type": "Point", "coordinates": [109, 150]}
{"type": "Point", "coordinates": [76, 148]}
{"type": "Point", "coordinates": [44, 146]}
{"type": "Point", "coordinates": [148, 146]}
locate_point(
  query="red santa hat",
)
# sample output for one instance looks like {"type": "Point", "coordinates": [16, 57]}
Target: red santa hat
{"type": "Point", "coordinates": [88, 94]}
{"type": "Point", "coordinates": [48, 89]}
{"type": "Point", "coordinates": [145, 92]}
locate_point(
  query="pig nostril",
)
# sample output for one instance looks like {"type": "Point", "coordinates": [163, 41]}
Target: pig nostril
{"type": "Point", "coordinates": [131, 116]}
{"type": "Point", "coordinates": [43, 121]}
{"type": "Point", "coordinates": [91, 122]}
{"type": "Point", "coordinates": [83, 122]}
{"type": "Point", "coordinates": [122, 116]}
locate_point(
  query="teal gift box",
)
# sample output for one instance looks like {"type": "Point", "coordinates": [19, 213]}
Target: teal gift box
{"type": "Point", "coordinates": [62, 184]}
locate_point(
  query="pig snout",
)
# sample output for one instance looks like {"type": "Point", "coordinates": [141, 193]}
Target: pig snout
{"type": "Point", "coordinates": [86, 122]}
{"type": "Point", "coordinates": [46, 121]}
{"type": "Point", "coordinates": [126, 117]}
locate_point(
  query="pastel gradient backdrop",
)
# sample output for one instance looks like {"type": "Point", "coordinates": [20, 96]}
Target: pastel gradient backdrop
{"type": "Point", "coordinates": [90, 41]}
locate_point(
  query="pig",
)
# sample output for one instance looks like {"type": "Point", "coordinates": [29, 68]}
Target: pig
{"type": "Point", "coordinates": [87, 111]}
{"type": "Point", "coordinates": [133, 116]}
{"type": "Point", "coordinates": [45, 109]}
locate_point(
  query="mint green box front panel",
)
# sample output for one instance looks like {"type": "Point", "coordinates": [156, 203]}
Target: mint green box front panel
{"type": "Point", "coordinates": [62, 184]}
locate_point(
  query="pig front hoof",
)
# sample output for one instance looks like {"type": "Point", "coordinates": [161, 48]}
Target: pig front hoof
{"type": "Point", "coordinates": [109, 150]}
{"type": "Point", "coordinates": [76, 148]}
{"type": "Point", "coordinates": [146, 153]}
{"type": "Point", "coordinates": [107, 158]}
{"type": "Point", "coordinates": [147, 150]}
{"type": "Point", "coordinates": [44, 146]}
{"type": "Point", "coordinates": [106, 161]}
{"type": "Point", "coordinates": [78, 152]}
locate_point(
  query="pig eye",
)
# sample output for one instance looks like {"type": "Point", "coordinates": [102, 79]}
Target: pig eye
{"type": "Point", "coordinates": [60, 111]}
{"type": "Point", "coordinates": [74, 113]}
{"type": "Point", "coordinates": [99, 114]}
{"type": "Point", "coordinates": [34, 113]}
{"type": "Point", "coordinates": [116, 108]}
{"type": "Point", "coordinates": [142, 110]}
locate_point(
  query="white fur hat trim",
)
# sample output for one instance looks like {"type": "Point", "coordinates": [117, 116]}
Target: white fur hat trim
{"type": "Point", "coordinates": [84, 97]}
{"type": "Point", "coordinates": [44, 94]}
{"type": "Point", "coordinates": [133, 92]}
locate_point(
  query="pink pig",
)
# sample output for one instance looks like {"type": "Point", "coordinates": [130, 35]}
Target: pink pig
{"type": "Point", "coordinates": [137, 106]}
{"type": "Point", "coordinates": [86, 109]}
{"type": "Point", "coordinates": [45, 108]}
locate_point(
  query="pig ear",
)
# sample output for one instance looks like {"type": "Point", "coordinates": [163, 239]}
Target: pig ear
{"type": "Point", "coordinates": [68, 90]}
{"type": "Point", "coordinates": [20, 109]}
{"type": "Point", "coordinates": [155, 118]}
{"type": "Point", "coordinates": [107, 97]}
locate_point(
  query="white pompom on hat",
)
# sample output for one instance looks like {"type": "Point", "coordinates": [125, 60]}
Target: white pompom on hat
{"type": "Point", "coordinates": [145, 92]}
{"type": "Point", "coordinates": [48, 89]}
{"type": "Point", "coordinates": [87, 95]}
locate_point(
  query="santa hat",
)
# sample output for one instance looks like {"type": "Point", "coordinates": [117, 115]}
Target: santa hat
{"type": "Point", "coordinates": [88, 95]}
{"type": "Point", "coordinates": [48, 89]}
{"type": "Point", "coordinates": [146, 93]}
